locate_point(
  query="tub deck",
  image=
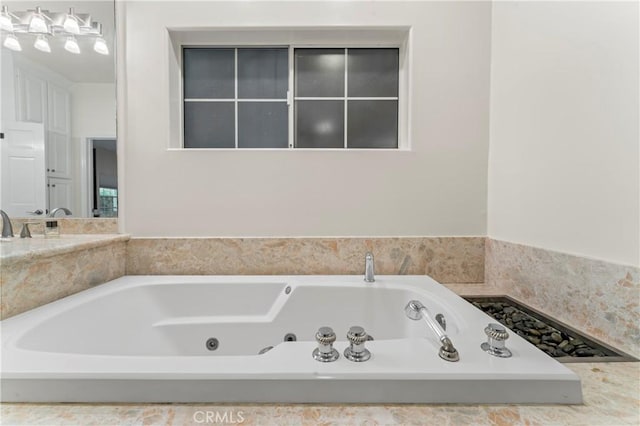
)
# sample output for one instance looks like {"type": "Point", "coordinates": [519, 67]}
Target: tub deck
{"type": "Point", "coordinates": [142, 339]}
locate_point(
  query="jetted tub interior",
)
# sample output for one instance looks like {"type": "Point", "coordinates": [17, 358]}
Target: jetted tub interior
{"type": "Point", "coordinates": [206, 339]}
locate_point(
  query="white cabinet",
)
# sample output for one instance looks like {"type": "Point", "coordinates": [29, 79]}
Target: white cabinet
{"type": "Point", "coordinates": [31, 97]}
{"type": "Point", "coordinates": [41, 100]}
{"type": "Point", "coordinates": [58, 132]}
{"type": "Point", "coordinates": [58, 109]}
{"type": "Point", "coordinates": [60, 193]}
{"type": "Point", "coordinates": [58, 155]}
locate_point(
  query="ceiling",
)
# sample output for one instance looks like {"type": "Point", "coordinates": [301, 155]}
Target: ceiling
{"type": "Point", "coordinates": [87, 67]}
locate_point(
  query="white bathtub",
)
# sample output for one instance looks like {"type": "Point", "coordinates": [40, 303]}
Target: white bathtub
{"type": "Point", "coordinates": [143, 339]}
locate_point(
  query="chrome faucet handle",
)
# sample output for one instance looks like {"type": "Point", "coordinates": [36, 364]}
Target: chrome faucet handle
{"type": "Point", "coordinates": [325, 351]}
{"type": "Point", "coordinates": [24, 232]}
{"type": "Point", "coordinates": [496, 336]}
{"type": "Point", "coordinates": [356, 351]}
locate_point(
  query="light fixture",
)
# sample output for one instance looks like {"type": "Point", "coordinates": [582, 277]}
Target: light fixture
{"type": "Point", "coordinates": [11, 42]}
{"type": "Point", "coordinates": [6, 23]}
{"type": "Point", "coordinates": [68, 27]}
{"type": "Point", "coordinates": [100, 46]}
{"type": "Point", "coordinates": [42, 44]}
{"type": "Point", "coordinates": [37, 23]}
{"type": "Point", "coordinates": [70, 23]}
{"type": "Point", "coordinates": [71, 45]}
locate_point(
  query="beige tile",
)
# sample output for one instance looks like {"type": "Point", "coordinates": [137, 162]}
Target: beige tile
{"type": "Point", "coordinates": [597, 297]}
{"type": "Point", "coordinates": [74, 225]}
{"type": "Point", "coordinates": [451, 260]}
{"type": "Point", "coordinates": [28, 283]}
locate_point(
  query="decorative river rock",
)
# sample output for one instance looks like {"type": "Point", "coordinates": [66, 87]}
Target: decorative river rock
{"type": "Point", "coordinates": [555, 342]}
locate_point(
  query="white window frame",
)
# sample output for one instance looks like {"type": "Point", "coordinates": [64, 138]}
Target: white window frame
{"type": "Point", "coordinates": [391, 37]}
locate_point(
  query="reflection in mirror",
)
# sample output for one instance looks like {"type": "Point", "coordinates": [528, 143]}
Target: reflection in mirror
{"type": "Point", "coordinates": [58, 110]}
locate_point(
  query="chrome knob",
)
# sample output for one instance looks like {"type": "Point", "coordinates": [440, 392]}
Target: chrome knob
{"type": "Point", "coordinates": [325, 351]}
{"type": "Point", "coordinates": [496, 336]}
{"type": "Point", "coordinates": [356, 351]}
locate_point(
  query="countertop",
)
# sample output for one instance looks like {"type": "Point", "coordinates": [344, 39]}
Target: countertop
{"type": "Point", "coordinates": [18, 249]}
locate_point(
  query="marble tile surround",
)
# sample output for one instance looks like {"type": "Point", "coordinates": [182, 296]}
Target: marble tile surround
{"type": "Point", "coordinates": [446, 259]}
{"type": "Point", "coordinates": [594, 296]}
{"type": "Point", "coordinates": [75, 225]}
{"type": "Point", "coordinates": [27, 282]}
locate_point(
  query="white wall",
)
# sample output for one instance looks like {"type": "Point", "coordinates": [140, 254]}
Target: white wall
{"type": "Point", "coordinates": [93, 115]}
{"type": "Point", "coordinates": [564, 157]}
{"type": "Point", "coordinates": [437, 188]}
{"type": "Point", "coordinates": [93, 110]}
{"type": "Point", "coordinates": [7, 86]}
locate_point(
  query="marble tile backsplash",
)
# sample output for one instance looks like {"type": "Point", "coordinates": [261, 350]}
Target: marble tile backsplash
{"type": "Point", "coordinates": [446, 259]}
{"type": "Point", "coordinates": [598, 297]}
{"type": "Point", "coordinates": [74, 225]}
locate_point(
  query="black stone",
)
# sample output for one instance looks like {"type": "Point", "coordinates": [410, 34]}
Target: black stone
{"type": "Point", "coordinates": [586, 352]}
{"type": "Point", "coordinates": [533, 340]}
{"type": "Point", "coordinates": [556, 343]}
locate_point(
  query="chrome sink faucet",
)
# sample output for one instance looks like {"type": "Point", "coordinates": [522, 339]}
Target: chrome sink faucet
{"type": "Point", "coordinates": [7, 229]}
{"type": "Point", "coordinates": [66, 211]}
{"type": "Point", "coordinates": [369, 275]}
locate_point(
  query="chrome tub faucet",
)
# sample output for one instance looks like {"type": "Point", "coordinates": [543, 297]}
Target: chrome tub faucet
{"type": "Point", "coordinates": [369, 274]}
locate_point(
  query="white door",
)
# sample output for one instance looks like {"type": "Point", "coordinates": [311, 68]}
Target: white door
{"type": "Point", "coordinates": [23, 187]}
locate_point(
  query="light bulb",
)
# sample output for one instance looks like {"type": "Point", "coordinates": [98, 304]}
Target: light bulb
{"type": "Point", "coordinates": [100, 46]}
{"type": "Point", "coordinates": [42, 44]}
{"type": "Point", "coordinates": [70, 24]}
{"type": "Point", "coordinates": [11, 42]}
{"type": "Point", "coordinates": [37, 23]}
{"type": "Point", "coordinates": [5, 20]}
{"type": "Point", "coordinates": [71, 45]}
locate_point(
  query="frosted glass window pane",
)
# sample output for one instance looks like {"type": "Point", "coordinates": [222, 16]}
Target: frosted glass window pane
{"type": "Point", "coordinates": [373, 72]}
{"type": "Point", "coordinates": [262, 125]}
{"type": "Point", "coordinates": [319, 72]}
{"type": "Point", "coordinates": [319, 124]}
{"type": "Point", "coordinates": [372, 124]}
{"type": "Point", "coordinates": [209, 73]}
{"type": "Point", "coordinates": [209, 125]}
{"type": "Point", "coordinates": [263, 73]}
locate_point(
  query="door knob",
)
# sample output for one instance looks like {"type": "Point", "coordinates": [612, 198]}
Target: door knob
{"type": "Point", "coordinates": [37, 212]}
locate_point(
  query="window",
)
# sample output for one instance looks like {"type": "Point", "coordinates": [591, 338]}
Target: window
{"type": "Point", "coordinates": [108, 202]}
{"type": "Point", "coordinates": [241, 97]}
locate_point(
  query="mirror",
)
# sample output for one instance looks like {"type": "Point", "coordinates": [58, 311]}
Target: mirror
{"type": "Point", "coordinates": [58, 116]}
